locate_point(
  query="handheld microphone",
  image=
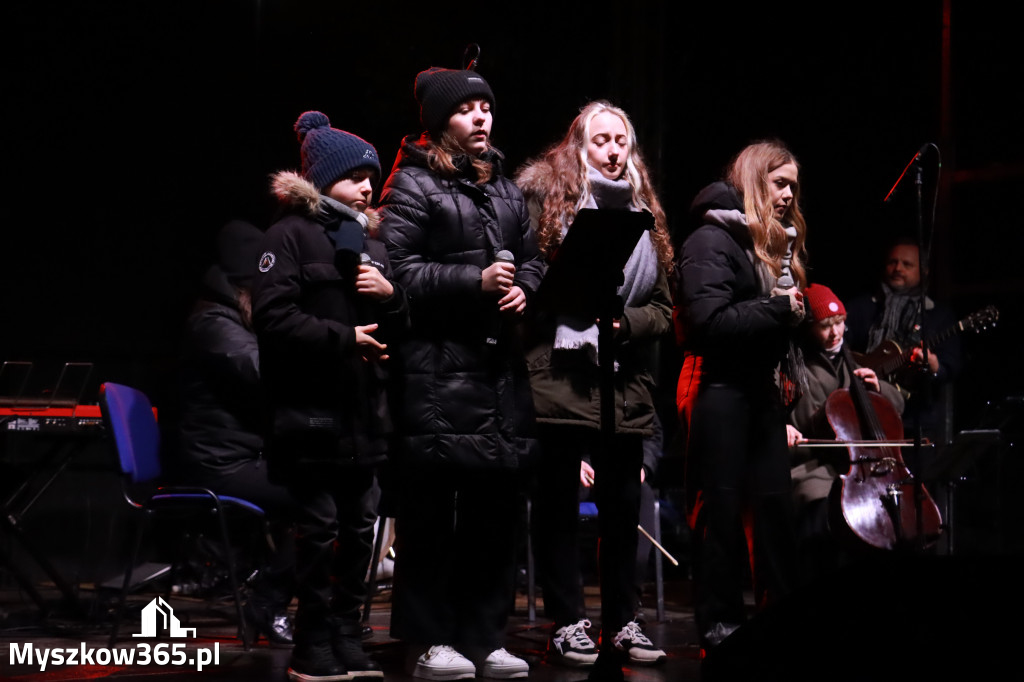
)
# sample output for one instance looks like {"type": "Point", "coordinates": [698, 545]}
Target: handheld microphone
{"type": "Point", "coordinates": [785, 286]}
{"type": "Point", "coordinates": [363, 305]}
{"type": "Point", "coordinates": [503, 256]}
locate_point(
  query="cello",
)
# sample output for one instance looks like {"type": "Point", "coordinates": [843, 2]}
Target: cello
{"type": "Point", "coordinates": [880, 501]}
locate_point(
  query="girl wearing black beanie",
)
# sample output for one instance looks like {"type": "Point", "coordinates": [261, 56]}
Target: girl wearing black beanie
{"type": "Point", "coordinates": [458, 236]}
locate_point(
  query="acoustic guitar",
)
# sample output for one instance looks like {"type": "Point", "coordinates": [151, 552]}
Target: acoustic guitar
{"type": "Point", "coordinates": [889, 359]}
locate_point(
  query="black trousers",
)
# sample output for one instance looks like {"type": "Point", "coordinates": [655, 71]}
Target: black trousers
{"type": "Point", "coordinates": [556, 523]}
{"type": "Point", "coordinates": [455, 551]}
{"type": "Point", "coordinates": [334, 544]}
{"type": "Point", "coordinates": [739, 434]}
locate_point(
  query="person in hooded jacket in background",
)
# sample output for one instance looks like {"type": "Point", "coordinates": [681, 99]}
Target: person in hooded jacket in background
{"type": "Point", "coordinates": [220, 434]}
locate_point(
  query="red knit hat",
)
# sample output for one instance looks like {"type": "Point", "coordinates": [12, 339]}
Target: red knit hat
{"type": "Point", "coordinates": [822, 303]}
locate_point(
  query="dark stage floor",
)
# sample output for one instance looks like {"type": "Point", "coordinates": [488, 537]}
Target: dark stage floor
{"type": "Point", "coordinates": [891, 617]}
{"type": "Point", "coordinates": [215, 629]}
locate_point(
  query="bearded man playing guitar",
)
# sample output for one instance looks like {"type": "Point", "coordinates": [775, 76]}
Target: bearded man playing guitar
{"type": "Point", "coordinates": [891, 315]}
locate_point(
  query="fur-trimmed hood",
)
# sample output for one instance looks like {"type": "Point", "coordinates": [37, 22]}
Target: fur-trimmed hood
{"type": "Point", "coordinates": [296, 193]}
{"type": "Point", "coordinates": [534, 178]}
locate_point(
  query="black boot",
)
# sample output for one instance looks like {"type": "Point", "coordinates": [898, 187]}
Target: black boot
{"type": "Point", "coordinates": [313, 659]}
{"type": "Point", "coordinates": [266, 611]}
{"type": "Point", "coordinates": [347, 640]}
{"type": "Point", "coordinates": [274, 624]}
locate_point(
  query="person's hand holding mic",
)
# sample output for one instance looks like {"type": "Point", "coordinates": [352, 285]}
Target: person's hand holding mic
{"type": "Point", "coordinates": [514, 300]}
{"type": "Point", "coordinates": [785, 286]}
{"type": "Point", "coordinates": [497, 277]}
{"type": "Point", "coordinates": [369, 280]}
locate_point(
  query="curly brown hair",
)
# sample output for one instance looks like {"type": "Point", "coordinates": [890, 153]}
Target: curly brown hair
{"type": "Point", "coordinates": [565, 187]}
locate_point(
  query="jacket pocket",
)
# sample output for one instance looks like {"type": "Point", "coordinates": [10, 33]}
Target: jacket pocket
{"type": "Point", "coordinates": [637, 401]}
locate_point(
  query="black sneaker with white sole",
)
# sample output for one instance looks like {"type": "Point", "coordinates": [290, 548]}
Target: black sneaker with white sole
{"type": "Point", "coordinates": [572, 646]}
{"type": "Point", "coordinates": [632, 641]}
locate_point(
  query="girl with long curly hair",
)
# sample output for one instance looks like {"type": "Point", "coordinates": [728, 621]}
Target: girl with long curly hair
{"type": "Point", "coordinates": [597, 165]}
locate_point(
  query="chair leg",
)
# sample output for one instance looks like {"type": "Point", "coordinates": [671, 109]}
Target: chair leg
{"type": "Point", "coordinates": [132, 559]}
{"type": "Point", "coordinates": [233, 578]}
{"type": "Point", "coordinates": [659, 583]}
{"type": "Point", "coordinates": [371, 583]}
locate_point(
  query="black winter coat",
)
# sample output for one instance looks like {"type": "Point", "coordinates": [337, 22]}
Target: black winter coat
{"type": "Point", "coordinates": [740, 331]}
{"type": "Point", "coordinates": [328, 405]}
{"type": "Point", "coordinates": [462, 402]}
{"type": "Point", "coordinates": [221, 406]}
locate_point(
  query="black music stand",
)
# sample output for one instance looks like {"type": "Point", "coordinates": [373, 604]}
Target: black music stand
{"type": "Point", "coordinates": [951, 466]}
{"type": "Point", "coordinates": [582, 281]}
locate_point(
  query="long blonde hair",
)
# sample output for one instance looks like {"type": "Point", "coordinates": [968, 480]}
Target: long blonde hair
{"type": "Point", "coordinates": [567, 186]}
{"type": "Point", "coordinates": [748, 173]}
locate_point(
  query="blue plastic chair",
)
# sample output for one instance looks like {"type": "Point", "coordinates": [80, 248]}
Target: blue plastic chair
{"type": "Point", "coordinates": [135, 435]}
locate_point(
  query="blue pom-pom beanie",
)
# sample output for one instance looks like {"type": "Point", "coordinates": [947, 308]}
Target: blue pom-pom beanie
{"type": "Point", "coordinates": [329, 154]}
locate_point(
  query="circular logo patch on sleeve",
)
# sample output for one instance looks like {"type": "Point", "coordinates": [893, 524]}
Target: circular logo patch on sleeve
{"type": "Point", "coordinates": [267, 261]}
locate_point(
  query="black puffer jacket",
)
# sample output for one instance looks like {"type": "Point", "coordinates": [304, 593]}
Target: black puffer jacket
{"type": "Point", "coordinates": [221, 407]}
{"type": "Point", "coordinates": [328, 404]}
{"type": "Point", "coordinates": [463, 402]}
{"type": "Point", "coordinates": [728, 317]}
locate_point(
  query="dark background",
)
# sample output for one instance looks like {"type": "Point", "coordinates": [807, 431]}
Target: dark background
{"type": "Point", "coordinates": [136, 130]}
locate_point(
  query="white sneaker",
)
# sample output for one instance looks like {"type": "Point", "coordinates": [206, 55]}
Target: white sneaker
{"type": "Point", "coordinates": [501, 665]}
{"type": "Point", "coordinates": [441, 662]}
{"type": "Point", "coordinates": [632, 640]}
{"type": "Point", "coordinates": [572, 645]}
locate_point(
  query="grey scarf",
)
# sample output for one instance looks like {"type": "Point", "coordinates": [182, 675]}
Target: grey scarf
{"type": "Point", "coordinates": [327, 204]}
{"type": "Point", "coordinates": [640, 272]}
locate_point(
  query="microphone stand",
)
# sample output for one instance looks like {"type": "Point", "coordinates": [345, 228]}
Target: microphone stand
{"type": "Point", "coordinates": [919, 407]}
{"type": "Point", "coordinates": [583, 280]}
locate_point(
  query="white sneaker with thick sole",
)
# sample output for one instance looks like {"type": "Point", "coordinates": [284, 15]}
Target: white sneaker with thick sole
{"type": "Point", "coordinates": [441, 662]}
{"type": "Point", "coordinates": [632, 640]}
{"type": "Point", "coordinates": [501, 665]}
{"type": "Point", "coordinates": [571, 645]}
